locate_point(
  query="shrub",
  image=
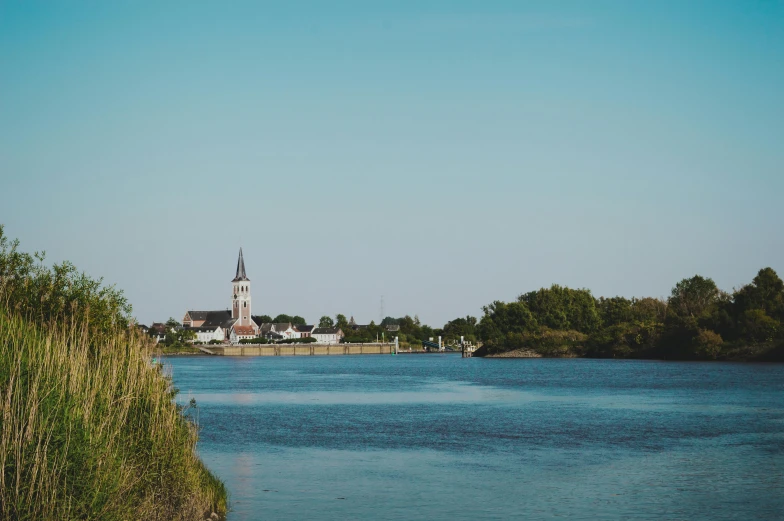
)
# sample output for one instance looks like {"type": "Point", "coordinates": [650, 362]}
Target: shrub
{"type": "Point", "coordinates": [757, 326]}
{"type": "Point", "coordinates": [708, 344]}
{"type": "Point", "coordinates": [305, 340]}
{"type": "Point", "coordinates": [357, 340]}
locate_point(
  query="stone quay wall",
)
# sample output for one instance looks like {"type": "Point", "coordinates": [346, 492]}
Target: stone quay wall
{"type": "Point", "coordinates": [303, 350]}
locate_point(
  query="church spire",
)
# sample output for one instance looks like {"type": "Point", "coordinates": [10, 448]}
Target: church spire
{"type": "Point", "coordinates": [240, 269]}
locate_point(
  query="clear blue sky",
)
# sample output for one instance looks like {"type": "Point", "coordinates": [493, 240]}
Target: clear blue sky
{"type": "Point", "coordinates": [442, 154]}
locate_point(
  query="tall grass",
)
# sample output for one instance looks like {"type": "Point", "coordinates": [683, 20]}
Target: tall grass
{"type": "Point", "coordinates": [89, 430]}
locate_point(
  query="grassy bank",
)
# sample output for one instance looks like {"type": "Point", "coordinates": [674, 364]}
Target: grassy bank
{"type": "Point", "coordinates": [89, 430]}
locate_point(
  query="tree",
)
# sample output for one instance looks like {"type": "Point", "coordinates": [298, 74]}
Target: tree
{"type": "Point", "coordinates": [325, 321]}
{"type": "Point", "coordinates": [615, 310]}
{"type": "Point", "coordinates": [693, 297]}
{"type": "Point", "coordinates": [298, 320]}
{"type": "Point", "coordinates": [282, 319]}
{"type": "Point", "coordinates": [707, 344]}
{"type": "Point", "coordinates": [262, 319]}
{"type": "Point", "coordinates": [178, 337]}
{"type": "Point", "coordinates": [649, 309]}
{"type": "Point", "coordinates": [171, 323]}
{"type": "Point", "coordinates": [766, 292]}
{"type": "Point", "coordinates": [61, 292]}
{"type": "Point", "coordinates": [501, 318]}
{"type": "Point", "coordinates": [341, 322]}
{"type": "Point", "coordinates": [757, 326]}
{"type": "Point", "coordinates": [563, 308]}
{"type": "Point", "coordinates": [465, 327]}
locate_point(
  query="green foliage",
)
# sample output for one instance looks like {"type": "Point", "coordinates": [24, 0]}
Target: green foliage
{"type": "Point", "coordinates": [757, 326]}
{"type": "Point", "coordinates": [693, 323]}
{"type": "Point", "coordinates": [563, 308]}
{"type": "Point", "coordinates": [357, 340]}
{"type": "Point", "coordinates": [341, 322]}
{"type": "Point", "coordinates": [303, 340]}
{"type": "Point", "coordinates": [766, 292]}
{"type": "Point", "coordinates": [263, 319]}
{"type": "Point", "coordinates": [501, 318]}
{"type": "Point", "coordinates": [615, 310]}
{"type": "Point", "coordinates": [649, 310]}
{"type": "Point", "coordinates": [459, 327]}
{"type": "Point", "coordinates": [707, 344]}
{"type": "Point", "coordinates": [61, 292]}
{"type": "Point", "coordinates": [257, 340]}
{"type": "Point", "coordinates": [88, 427]}
{"type": "Point", "coordinates": [693, 297]}
{"type": "Point", "coordinates": [545, 341]}
{"type": "Point", "coordinates": [298, 320]}
{"type": "Point", "coordinates": [325, 321]}
{"type": "Point", "coordinates": [178, 337]}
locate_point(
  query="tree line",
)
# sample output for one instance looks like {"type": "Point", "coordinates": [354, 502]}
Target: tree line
{"type": "Point", "coordinates": [697, 321]}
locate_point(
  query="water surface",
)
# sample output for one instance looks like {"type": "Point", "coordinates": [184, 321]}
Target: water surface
{"type": "Point", "coordinates": [441, 437]}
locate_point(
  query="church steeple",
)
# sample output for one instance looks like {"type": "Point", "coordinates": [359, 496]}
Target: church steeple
{"type": "Point", "coordinates": [240, 276]}
{"type": "Point", "coordinates": [240, 298]}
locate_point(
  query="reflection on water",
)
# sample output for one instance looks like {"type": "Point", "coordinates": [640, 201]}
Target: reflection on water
{"type": "Point", "coordinates": [440, 437]}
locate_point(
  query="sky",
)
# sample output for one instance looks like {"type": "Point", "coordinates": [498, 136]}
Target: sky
{"type": "Point", "coordinates": [443, 154]}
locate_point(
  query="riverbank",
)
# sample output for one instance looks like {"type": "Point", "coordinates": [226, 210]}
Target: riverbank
{"type": "Point", "coordinates": [517, 353]}
{"type": "Point", "coordinates": [735, 354]}
{"type": "Point", "coordinates": [90, 430]}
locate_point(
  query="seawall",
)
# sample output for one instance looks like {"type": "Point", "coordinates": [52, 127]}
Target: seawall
{"type": "Point", "coordinates": [302, 350]}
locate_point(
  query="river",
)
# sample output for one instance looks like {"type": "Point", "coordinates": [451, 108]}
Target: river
{"type": "Point", "coordinates": [430, 437]}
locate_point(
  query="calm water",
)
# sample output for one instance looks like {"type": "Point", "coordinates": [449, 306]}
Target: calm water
{"type": "Point", "coordinates": [439, 437]}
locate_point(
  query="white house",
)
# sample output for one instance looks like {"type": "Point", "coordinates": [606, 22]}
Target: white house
{"type": "Point", "coordinates": [286, 330]}
{"type": "Point", "coordinates": [205, 334]}
{"type": "Point", "coordinates": [241, 333]}
{"type": "Point", "coordinates": [327, 335]}
{"type": "Point", "coordinates": [304, 331]}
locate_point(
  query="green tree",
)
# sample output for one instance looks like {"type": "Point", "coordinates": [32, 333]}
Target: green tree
{"type": "Point", "coordinates": [282, 319]}
{"type": "Point", "coordinates": [649, 309]}
{"type": "Point", "coordinates": [178, 337]}
{"type": "Point", "coordinates": [757, 326]}
{"type": "Point", "coordinates": [326, 321]}
{"type": "Point", "coordinates": [501, 318]}
{"type": "Point", "coordinates": [693, 297]}
{"type": "Point", "coordinates": [615, 310]}
{"type": "Point", "coordinates": [342, 323]}
{"type": "Point", "coordinates": [298, 320]}
{"type": "Point", "coordinates": [465, 327]}
{"type": "Point", "coordinates": [766, 292]}
{"type": "Point", "coordinates": [563, 308]}
{"type": "Point", "coordinates": [262, 319]}
{"type": "Point", "coordinates": [708, 344]}
{"type": "Point", "coordinates": [46, 294]}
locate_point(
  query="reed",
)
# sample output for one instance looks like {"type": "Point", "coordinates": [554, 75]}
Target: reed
{"type": "Point", "coordinates": [89, 430]}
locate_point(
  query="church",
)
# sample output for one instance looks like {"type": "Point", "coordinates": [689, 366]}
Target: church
{"type": "Point", "coordinates": [232, 324]}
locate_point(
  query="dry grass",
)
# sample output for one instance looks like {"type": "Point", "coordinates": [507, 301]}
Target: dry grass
{"type": "Point", "coordinates": [89, 430]}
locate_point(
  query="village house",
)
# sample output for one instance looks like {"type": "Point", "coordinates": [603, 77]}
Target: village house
{"type": "Point", "coordinates": [327, 335]}
{"type": "Point", "coordinates": [305, 331]}
{"type": "Point", "coordinates": [285, 330]}
{"type": "Point", "coordinates": [241, 333]}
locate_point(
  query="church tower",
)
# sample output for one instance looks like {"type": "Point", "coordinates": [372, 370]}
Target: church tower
{"type": "Point", "coordinates": [240, 299]}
